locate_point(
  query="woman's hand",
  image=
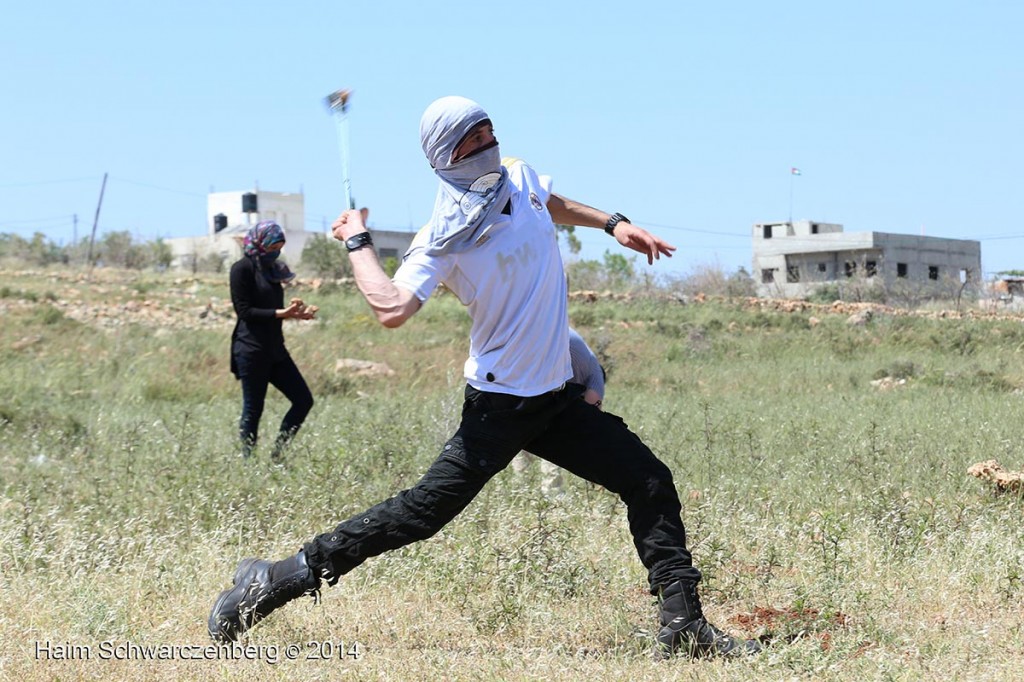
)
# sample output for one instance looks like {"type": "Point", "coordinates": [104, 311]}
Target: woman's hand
{"type": "Point", "coordinates": [297, 310]}
{"type": "Point", "coordinates": [306, 312]}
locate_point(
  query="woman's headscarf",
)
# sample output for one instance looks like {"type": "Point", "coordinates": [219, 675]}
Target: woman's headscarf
{"type": "Point", "coordinates": [258, 240]}
{"type": "Point", "coordinates": [473, 191]}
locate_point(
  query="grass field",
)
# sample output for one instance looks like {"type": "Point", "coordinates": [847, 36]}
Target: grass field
{"type": "Point", "coordinates": [831, 517]}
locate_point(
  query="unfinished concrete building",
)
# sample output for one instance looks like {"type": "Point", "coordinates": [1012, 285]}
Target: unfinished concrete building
{"type": "Point", "coordinates": [229, 216]}
{"type": "Point", "coordinates": [792, 259]}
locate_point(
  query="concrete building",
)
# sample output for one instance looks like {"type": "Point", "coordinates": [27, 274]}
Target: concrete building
{"type": "Point", "coordinates": [792, 259]}
{"type": "Point", "coordinates": [391, 243]}
{"type": "Point", "coordinates": [229, 215]}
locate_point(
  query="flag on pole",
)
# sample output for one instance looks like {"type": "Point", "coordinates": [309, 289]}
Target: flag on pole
{"type": "Point", "coordinates": [795, 171]}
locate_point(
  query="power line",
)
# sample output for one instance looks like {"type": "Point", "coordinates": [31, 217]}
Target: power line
{"type": "Point", "coordinates": [46, 182]}
{"type": "Point", "coordinates": [93, 178]}
{"type": "Point", "coordinates": [37, 220]}
{"type": "Point", "coordinates": [693, 229]}
{"type": "Point", "coordinates": [162, 189]}
{"type": "Point", "coordinates": [1006, 236]}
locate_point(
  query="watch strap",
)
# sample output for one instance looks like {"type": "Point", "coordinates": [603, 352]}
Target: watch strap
{"type": "Point", "coordinates": [616, 218]}
{"type": "Point", "coordinates": [358, 241]}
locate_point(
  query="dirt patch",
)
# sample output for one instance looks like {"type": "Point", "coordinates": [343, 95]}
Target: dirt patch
{"type": "Point", "coordinates": [110, 298]}
{"type": "Point", "coordinates": [792, 624]}
{"type": "Point", "coordinates": [363, 368]}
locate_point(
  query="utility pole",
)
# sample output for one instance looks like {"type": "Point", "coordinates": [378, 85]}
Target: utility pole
{"type": "Point", "coordinates": [96, 220]}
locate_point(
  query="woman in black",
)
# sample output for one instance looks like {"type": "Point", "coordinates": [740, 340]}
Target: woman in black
{"type": "Point", "coordinates": [258, 355]}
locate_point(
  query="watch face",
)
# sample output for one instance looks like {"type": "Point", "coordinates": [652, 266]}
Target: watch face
{"type": "Point", "coordinates": [361, 239]}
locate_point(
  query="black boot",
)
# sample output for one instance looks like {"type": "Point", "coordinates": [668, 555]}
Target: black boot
{"type": "Point", "coordinates": [280, 445]}
{"type": "Point", "coordinates": [259, 588]}
{"type": "Point", "coordinates": [685, 630]}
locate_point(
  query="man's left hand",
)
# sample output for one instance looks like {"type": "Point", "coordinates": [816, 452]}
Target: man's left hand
{"type": "Point", "coordinates": [639, 239]}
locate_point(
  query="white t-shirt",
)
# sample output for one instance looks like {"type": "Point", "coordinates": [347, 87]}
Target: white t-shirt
{"type": "Point", "coordinates": [513, 285]}
{"type": "Point", "coordinates": [586, 368]}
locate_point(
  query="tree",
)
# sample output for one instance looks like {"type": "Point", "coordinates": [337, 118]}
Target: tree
{"type": "Point", "coordinates": [619, 268]}
{"type": "Point", "coordinates": [740, 284]}
{"type": "Point", "coordinates": [118, 248]}
{"type": "Point", "coordinates": [571, 240]}
{"type": "Point", "coordinates": [614, 272]}
{"type": "Point", "coordinates": [36, 251]}
{"type": "Point", "coordinates": [161, 254]}
{"type": "Point", "coordinates": [325, 257]}
{"type": "Point", "coordinates": [211, 262]}
{"type": "Point", "coordinates": [42, 251]}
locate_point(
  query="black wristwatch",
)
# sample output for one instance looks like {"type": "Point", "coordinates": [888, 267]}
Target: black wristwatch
{"type": "Point", "coordinates": [358, 241]}
{"type": "Point", "coordinates": [616, 218]}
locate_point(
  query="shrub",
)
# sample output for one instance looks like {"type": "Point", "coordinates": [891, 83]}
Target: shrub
{"type": "Point", "coordinates": [211, 262]}
{"type": "Point", "coordinates": [825, 293]}
{"type": "Point", "coordinates": [615, 272]}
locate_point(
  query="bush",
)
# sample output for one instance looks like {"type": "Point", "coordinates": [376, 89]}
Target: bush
{"type": "Point", "coordinates": [49, 315]}
{"type": "Point", "coordinates": [119, 249]}
{"type": "Point", "coordinates": [37, 251]}
{"type": "Point", "coordinates": [211, 262]}
{"type": "Point", "coordinates": [711, 280]}
{"type": "Point", "coordinates": [825, 293]}
{"type": "Point", "coordinates": [615, 272]}
{"type": "Point", "coordinates": [390, 265]}
{"type": "Point", "coordinates": [161, 255]}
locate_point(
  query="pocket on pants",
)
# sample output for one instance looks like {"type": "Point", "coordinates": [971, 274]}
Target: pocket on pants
{"type": "Point", "coordinates": [480, 460]}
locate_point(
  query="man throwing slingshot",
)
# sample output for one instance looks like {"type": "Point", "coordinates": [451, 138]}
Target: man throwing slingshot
{"type": "Point", "coordinates": [492, 242]}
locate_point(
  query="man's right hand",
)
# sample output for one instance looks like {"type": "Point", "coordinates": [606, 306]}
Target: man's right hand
{"type": "Point", "coordinates": [350, 223]}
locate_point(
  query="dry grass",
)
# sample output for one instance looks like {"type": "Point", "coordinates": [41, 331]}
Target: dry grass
{"type": "Point", "coordinates": [832, 519]}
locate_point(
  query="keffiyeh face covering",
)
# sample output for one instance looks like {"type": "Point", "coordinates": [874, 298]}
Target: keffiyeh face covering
{"type": "Point", "coordinates": [258, 240]}
{"type": "Point", "coordinates": [472, 191]}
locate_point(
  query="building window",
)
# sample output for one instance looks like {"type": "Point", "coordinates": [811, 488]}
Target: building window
{"type": "Point", "coordinates": [767, 231]}
{"type": "Point", "coordinates": [850, 268]}
{"type": "Point", "coordinates": [822, 267]}
{"type": "Point", "coordinates": [901, 270]}
{"type": "Point", "coordinates": [793, 274]}
{"type": "Point", "coordinates": [768, 275]}
{"type": "Point", "coordinates": [933, 272]}
{"type": "Point", "coordinates": [871, 268]}
{"type": "Point", "coordinates": [814, 228]}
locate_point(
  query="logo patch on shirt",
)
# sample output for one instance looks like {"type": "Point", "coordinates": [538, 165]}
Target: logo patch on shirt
{"type": "Point", "coordinates": [535, 202]}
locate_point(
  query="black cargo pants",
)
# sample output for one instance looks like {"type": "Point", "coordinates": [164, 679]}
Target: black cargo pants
{"type": "Point", "coordinates": [557, 426]}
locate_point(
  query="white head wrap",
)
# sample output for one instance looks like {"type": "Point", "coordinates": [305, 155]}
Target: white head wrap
{"type": "Point", "coordinates": [473, 191]}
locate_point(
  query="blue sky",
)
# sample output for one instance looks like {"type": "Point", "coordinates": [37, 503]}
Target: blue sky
{"type": "Point", "coordinates": [902, 116]}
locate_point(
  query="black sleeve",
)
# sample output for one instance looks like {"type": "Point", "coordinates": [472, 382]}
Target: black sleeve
{"type": "Point", "coordinates": [243, 292]}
